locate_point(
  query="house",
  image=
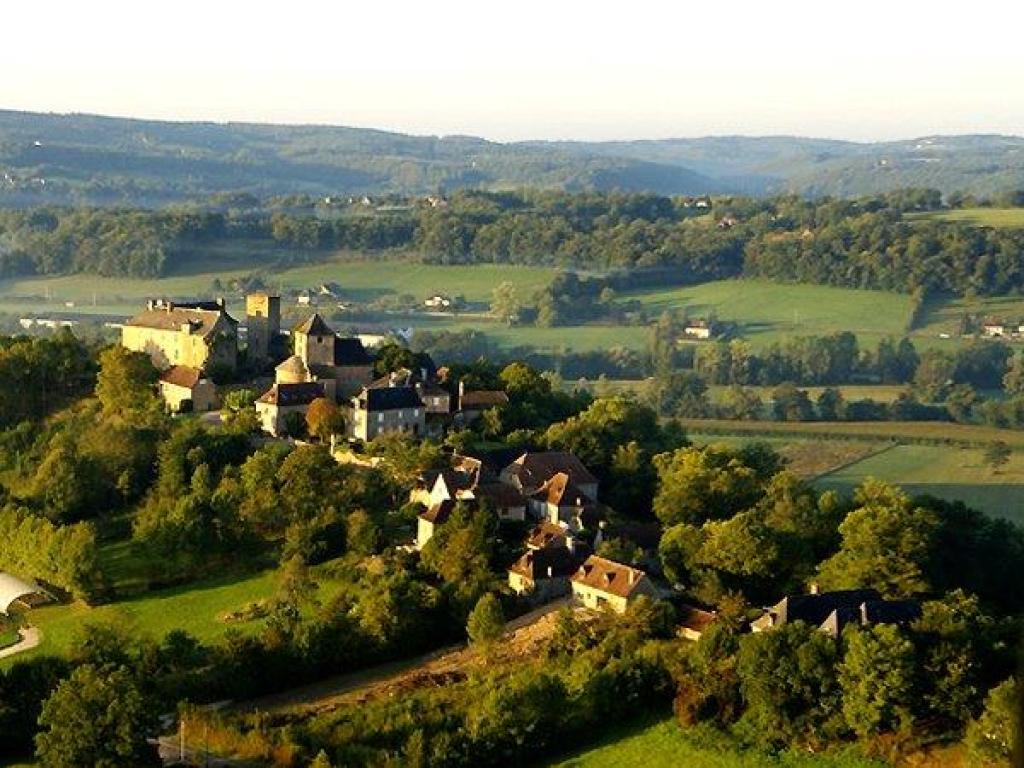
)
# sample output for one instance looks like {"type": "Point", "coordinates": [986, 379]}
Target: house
{"type": "Point", "coordinates": [196, 335]}
{"type": "Point", "coordinates": [533, 469]}
{"type": "Point", "coordinates": [698, 329]}
{"type": "Point", "coordinates": [601, 583]}
{"type": "Point", "coordinates": [427, 522]}
{"type": "Point", "coordinates": [993, 328]}
{"type": "Point", "coordinates": [471, 403]}
{"type": "Point", "coordinates": [327, 356]}
{"type": "Point", "coordinates": [438, 302]}
{"type": "Point", "coordinates": [470, 480]}
{"type": "Point", "coordinates": [284, 399]}
{"type": "Point", "coordinates": [543, 574]}
{"type": "Point", "coordinates": [693, 621]}
{"type": "Point", "coordinates": [559, 501]}
{"type": "Point", "coordinates": [187, 390]}
{"type": "Point", "coordinates": [436, 399]}
{"type": "Point", "coordinates": [377, 410]}
{"type": "Point", "coordinates": [547, 534]}
{"type": "Point", "coordinates": [833, 611]}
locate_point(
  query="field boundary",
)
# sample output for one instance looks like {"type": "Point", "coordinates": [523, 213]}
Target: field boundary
{"type": "Point", "coordinates": [846, 464]}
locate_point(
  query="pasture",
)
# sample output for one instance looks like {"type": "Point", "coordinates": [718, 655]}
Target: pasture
{"type": "Point", "coordinates": [663, 744]}
{"type": "Point", "coordinates": [1005, 218]}
{"type": "Point", "coordinates": [947, 462]}
{"type": "Point", "coordinates": [359, 281]}
{"type": "Point", "coordinates": [767, 312]}
{"type": "Point", "coordinates": [955, 474]}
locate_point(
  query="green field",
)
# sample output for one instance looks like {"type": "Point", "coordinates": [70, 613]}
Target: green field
{"type": "Point", "coordinates": [954, 471]}
{"type": "Point", "coordinates": [957, 474]}
{"type": "Point", "coordinates": [979, 217]}
{"type": "Point", "coordinates": [663, 744]}
{"type": "Point", "coordinates": [192, 607]}
{"type": "Point", "coordinates": [360, 281]}
{"type": "Point", "coordinates": [769, 312]}
{"type": "Point", "coordinates": [943, 316]}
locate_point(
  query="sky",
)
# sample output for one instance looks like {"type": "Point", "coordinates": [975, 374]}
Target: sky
{"type": "Point", "coordinates": [558, 69]}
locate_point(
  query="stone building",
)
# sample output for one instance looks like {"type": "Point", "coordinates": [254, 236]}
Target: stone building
{"type": "Point", "coordinates": [326, 356]}
{"type": "Point", "coordinates": [263, 326]}
{"type": "Point", "coordinates": [197, 335]}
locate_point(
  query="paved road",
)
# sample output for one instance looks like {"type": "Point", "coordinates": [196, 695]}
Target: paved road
{"type": "Point", "coordinates": [30, 638]}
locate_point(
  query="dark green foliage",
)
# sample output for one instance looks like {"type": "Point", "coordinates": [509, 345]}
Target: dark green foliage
{"type": "Point", "coordinates": [96, 718]}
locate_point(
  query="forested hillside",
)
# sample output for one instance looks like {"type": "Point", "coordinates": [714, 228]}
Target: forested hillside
{"type": "Point", "coordinates": [46, 158]}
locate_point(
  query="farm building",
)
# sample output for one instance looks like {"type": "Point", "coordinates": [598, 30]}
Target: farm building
{"type": "Point", "coordinates": [14, 590]}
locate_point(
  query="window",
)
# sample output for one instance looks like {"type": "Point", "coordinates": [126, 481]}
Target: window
{"type": "Point", "coordinates": [380, 418]}
{"type": "Point", "coordinates": [415, 413]}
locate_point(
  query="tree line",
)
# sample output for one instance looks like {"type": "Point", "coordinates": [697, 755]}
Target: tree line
{"type": "Point", "coordinates": [861, 243]}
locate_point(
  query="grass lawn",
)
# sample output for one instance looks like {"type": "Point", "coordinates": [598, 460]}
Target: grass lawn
{"type": "Point", "coordinates": [979, 217]}
{"type": "Point", "coordinates": [663, 744]}
{"type": "Point", "coordinates": [191, 607]}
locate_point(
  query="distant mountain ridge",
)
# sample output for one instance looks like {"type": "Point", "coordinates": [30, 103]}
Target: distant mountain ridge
{"type": "Point", "coordinates": [50, 158]}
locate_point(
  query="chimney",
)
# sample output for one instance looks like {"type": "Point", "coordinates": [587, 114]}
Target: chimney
{"type": "Point", "coordinates": [392, 379]}
{"type": "Point", "coordinates": [813, 588]}
{"type": "Point", "coordinates": [570, 543]}
{"type": "Point", "coordinates": [221, 303]}
{"type": "Point", "coordinates": [462, 389]}
{"type": "Point", "coordinates": [632, 577]}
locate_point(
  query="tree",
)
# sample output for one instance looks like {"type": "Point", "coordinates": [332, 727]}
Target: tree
{"type": "Point", "coordinates": [324, 419]}
{"type": "Point", "coordinates": [887, 543]}
{"type": "Point", "coordinates": [486, 623]}
{"type": "Point", "coordinates": [697, 484]}
{"type": "Point", "coordinates": [126, 387]}
{"type": "Point", "coordinates": [997, 454]}
{"type": "Point", "coordinates": [877, 680]}
{"type": "Point", "coordinates": [788, 680]}
{"type": "Point", "coordinates": [505, 304]}
{"type": "Point", "coordinates": [321, 760]}
{"type": "Point", "coordinates": [97, 718]}
{"type": "Point", "coordinates": [991, 736]}
{"type": "Point", "coordinates": [1013, 381]}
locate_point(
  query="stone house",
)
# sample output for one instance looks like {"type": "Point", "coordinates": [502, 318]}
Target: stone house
{"type": "Point", "coordinates": [282, 399]}
{"type": "Point", "coordinates": [378, 410]}
{"type": "Point", "coordinates": [601, 583]}
{"type": "Point", "coordinates": [186, 389]}
{"type": "Point", "coordinates": [196, 335]}
{"type": "Point", "coordinates": [427, 522]}
{"type": "Point", "coordinates": [544, 574]}
{"type": "Point", "coordinates": [532, 470]}
{"type": "Point", "coordinates": [328, 357]}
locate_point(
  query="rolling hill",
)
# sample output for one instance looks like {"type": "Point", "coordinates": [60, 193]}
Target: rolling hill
{"type": "Point", "coordinates": [50, 158]}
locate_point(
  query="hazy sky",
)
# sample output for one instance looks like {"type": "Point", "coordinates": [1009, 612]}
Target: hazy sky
{"type": "Point", "coordinates": [551, 69]}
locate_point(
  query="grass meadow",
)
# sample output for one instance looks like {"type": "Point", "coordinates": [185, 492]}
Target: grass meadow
{"type": "Point", "coordinates": [663, 744]}
{"type": "Point", "coordinates": [1005, 218]}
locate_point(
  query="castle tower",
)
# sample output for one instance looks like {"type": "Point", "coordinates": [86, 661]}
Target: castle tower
{"type": "Point", "coordinates": [314, 342]}
{"type": "Point", "coordinates": [263, 319]}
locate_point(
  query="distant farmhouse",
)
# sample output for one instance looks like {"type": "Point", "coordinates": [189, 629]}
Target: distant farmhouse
{"type": "Point", "coordinates": [698, 329]}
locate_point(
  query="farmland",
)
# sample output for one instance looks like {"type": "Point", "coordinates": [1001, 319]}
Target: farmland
{"type": "Point", "coordinates": [955, 470]}
{"type": "Point", "coordinates": [978, 217]}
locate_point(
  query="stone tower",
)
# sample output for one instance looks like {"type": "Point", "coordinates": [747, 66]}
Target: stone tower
{"type": "Point", "coordinates": [314, 342]}
{"type": "Point", "coordinates": [263, 318]}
